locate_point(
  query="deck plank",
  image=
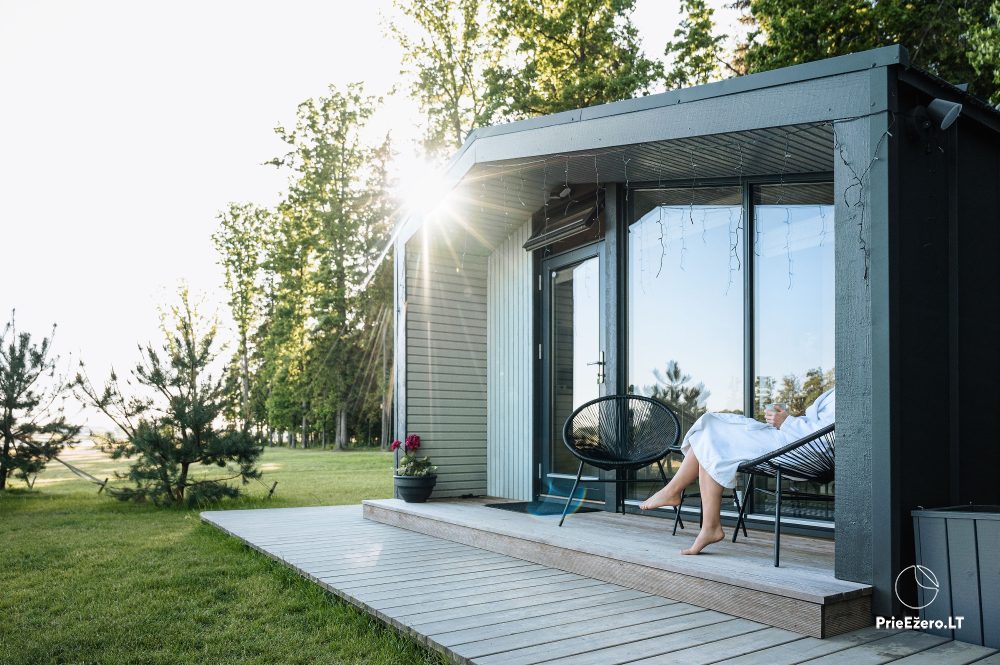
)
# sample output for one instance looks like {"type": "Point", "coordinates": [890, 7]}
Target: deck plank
{"type": "Point", "coordinates": [807, 648]}
{"type": "Point", "coordinates": [711, 652]}
{"type": "Point", "coordinates": [569, 629]}
{"type": "Point", "coordinates": [886, 650]}
{"type": "Point", "coordinates": [585, 615]}
{"type": "Point", "coordinates": [950, 653]}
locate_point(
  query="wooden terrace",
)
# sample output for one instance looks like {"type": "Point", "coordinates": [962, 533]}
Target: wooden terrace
{"type": "Point", "coordinates": [455, 592]}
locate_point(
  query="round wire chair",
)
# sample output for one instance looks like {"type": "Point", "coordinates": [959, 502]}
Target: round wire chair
{"type": "Point", "coordinates": [809, 459]}
{"type": "Point", "coordinates": [620, 433]}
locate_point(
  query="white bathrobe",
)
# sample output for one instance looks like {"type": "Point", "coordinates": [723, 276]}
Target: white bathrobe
{"type": "Point", "coordinates": [721, 441]}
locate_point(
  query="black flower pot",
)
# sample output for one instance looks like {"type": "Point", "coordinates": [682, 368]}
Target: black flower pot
{"type": "Point", "coordinates": [414, 489]}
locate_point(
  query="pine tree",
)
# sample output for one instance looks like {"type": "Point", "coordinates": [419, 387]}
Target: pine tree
{"type": "Point", "coordinates": [33, 429]}
{"type": "Point", "coordinates": [173, 430]}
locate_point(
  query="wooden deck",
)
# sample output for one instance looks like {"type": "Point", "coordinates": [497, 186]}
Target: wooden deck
{"type": "Point", "coordinates": [477, 606]}
{"type": "Point", "coordinates": [639, 552]}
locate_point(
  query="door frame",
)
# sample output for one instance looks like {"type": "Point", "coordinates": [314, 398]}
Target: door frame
{"type": "Point", "coordinates": [543, 358]}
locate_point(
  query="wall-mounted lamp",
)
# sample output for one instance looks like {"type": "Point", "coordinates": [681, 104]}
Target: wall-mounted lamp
{"type": "Point", "coordinates": [943, 112]}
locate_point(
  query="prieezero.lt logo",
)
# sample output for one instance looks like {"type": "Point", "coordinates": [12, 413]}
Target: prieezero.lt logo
{"type": "Point", "coordinates": [925, 579]}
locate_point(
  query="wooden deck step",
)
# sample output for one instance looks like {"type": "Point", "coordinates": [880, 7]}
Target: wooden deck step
{"type": "Point", "coordinates": [640, 553]}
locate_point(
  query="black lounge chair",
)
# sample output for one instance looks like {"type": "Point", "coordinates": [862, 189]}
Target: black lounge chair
{"type": "Point", "coordinates": [810, 459]}
{"type": "Point", "coordinates": [620, 433]}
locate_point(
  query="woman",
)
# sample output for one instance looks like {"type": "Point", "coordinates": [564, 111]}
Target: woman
{"type": "Point", "coordinates": [716, 445]}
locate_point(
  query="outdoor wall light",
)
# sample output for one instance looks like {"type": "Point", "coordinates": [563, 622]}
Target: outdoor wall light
{"type": "Point", "coordinates": [943, 112]}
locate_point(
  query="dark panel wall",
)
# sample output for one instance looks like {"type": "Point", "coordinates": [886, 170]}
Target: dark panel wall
{"type": "Point", "coordinates": [944, 311]}
{"type": "Point", "coordinates": [977, 292]}
{"type": "Point", "coordinates": [920, 175]}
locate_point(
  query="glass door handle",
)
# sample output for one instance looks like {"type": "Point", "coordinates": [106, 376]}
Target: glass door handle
{"type": "Point", "coordinates": [600, 368]}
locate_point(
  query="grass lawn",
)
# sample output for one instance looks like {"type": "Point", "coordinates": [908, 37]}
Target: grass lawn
{"type": "Point", "coordinates": [89, 579]}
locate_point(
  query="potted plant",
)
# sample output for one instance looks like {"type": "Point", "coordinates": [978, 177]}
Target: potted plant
{"type": "Point", "coordinates": [415, 476]}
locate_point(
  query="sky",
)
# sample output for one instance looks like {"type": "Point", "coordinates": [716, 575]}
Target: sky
{"type": "Point", "coordinates": [126, 126]}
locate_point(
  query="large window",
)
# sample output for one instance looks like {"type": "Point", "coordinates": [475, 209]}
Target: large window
{"type": "Point", "coordinates": [688, 290]}
{"type": "Point", "coordinates": [793, 310]}
{"type": "Point", "coordinates": [685, 308]}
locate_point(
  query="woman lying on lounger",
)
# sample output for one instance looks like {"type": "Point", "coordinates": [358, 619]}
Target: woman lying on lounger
{"type": "Point", "coordinates": [716, 445]}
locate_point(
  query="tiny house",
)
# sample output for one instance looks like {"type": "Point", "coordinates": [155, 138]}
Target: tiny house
{"type": "Point", "coordinates": [719, 247]}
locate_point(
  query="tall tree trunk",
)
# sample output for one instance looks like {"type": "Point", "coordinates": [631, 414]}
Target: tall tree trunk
{"type": "Point", "coordinates": [341, 441]}
{"type": "Point", "coordinates": [3, 463]}
{"type": "Point", "coordinates": [305, 423]}
{"type": "Point", "coordinates": [245, 380]}
{"type": "Point", "coordinates": [182, 481]}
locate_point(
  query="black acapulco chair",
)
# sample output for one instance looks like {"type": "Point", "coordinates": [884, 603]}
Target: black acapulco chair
{"type": "Point", "coordinates": [620, 433]}
{"type": "Point", "coordinates": [809, 459]}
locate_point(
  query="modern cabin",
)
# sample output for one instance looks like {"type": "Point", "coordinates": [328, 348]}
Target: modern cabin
{"type": "Point", "coordinates": [720, 247]}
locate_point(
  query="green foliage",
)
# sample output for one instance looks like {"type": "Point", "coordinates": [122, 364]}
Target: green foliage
{"type": "Point", "coordinates": [696, 52]}
{"type": "Point", "coordinates": [240, 244]}
{"type": "Point", "coordinates": [566, 54]}
{"type": "Point", "coordinates": [33, 429]}
{"type": "Point", "coordinates": [322, 325]}
{"type": "Point", "coordinates": [175, 429]}
{"type": "Point", "coordinates": [446, 51]}
{"type": "Point", "coordinates": [411, 465]}
{"type": "Point", "coordinates": [947, 39]}
{"type": "Point", "coordinates": [984, 46]}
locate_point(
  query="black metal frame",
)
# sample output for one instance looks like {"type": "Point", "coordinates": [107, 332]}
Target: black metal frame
{"type": "Point", "coordinates": [798, 462]}
{"type": "Point", "coordinates": [630, 465]}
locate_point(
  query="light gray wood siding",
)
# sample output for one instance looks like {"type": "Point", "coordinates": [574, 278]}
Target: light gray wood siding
{"type": "Point", "coordinates": [509, 379]}
{"type": "Point", "coordinates": [445, 394]}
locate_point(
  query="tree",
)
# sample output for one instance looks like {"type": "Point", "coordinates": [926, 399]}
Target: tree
{"type": "Point", "coordinates": [332, 223]}
{"type": "Point", "coordinates": [984, 46]}
{"type": "Point", "coordinates": [240, 244]}
{"type": "Point", "coordinates": [566, 54]}
{"type": "Point", "coordinates": [674, 388]}
{"type": "Point", "coordinates": [944, 38]}
{"type": "Point", "coordinates": [32, 425]}
{"type": "Point", "coordinates": [696, 52]}
{"type": "Point", "coordinates": [174, 429]}
{"type": "Point", "coordinates": [446, 50]}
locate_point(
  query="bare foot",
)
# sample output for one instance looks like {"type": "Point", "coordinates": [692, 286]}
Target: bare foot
{"type": "Point", "coordinates": [664, 497]}
{"type": "Point", "coordinates": [705, 538]}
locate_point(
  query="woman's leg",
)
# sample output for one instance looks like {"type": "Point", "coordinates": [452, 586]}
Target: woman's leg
{"type": "Point", "coordinates": [670, 495]}
{"type": "Point", "coordinates": [711, 507]}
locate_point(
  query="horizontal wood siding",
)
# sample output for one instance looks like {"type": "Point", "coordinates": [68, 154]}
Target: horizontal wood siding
{"type": "Point", "coordinates": [446, 364]}
{"type": "Point", "coordinates": [509, 383]}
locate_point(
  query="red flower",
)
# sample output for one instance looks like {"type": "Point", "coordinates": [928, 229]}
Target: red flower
{"type": "Point", "coordinates": [412, 442]}
{"type": "Point", "coordinates": [395, 444]}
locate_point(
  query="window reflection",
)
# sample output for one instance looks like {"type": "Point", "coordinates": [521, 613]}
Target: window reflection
{"type": "Point", "coordinates": [685, 304]}
{"type": "Point", "coordinates": [793, 309]}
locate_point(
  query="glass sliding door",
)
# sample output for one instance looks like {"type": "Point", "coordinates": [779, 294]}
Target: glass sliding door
{"type": "Point", "coordinates": [685, 336]}
{"type": "Point", "coordinates": [793, 302]}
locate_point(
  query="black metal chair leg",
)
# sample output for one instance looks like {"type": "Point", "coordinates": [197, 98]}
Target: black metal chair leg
{"type": "Point", "coordinates": [739, 511]}
{"type": "Point", "coordinates": [777, 516]}
{"type": "Point", "coordinates": [741, 521]}
{"type": "Point", "coordinates": [677, 509]}
{"type": "Point", "coordinates": [677, 514]}
{"type": "Point", "coordinates": [572, 492]}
